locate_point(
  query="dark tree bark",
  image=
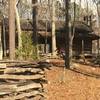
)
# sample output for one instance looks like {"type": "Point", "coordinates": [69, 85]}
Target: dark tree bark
{"type": "Point", "coordinates": [67, 35]}
{"type": "Point", "coordinates": [46, 37]}
{"type": "Point", "coordinates": [35, 22]}
{"type": "Point", "coordinates": [12, 29]}
{"type": "Point", "coordinates": [34, 17]}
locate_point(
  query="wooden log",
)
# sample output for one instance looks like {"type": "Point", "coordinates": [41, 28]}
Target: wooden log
{"type": "Point", "coordinates": [8, 88]}
{"type": "Point", "coordinates": [18, 82]}
{"type": "Point", "coordinates": [23, 95]}
{"type": "Point", "coordinates": [23, 65]}
{"type": "Point", "coordinates": [18, 62]}
{"type": "Point", "coordinates": [1, 70]}
{"type": "Point", "coordinates": [86, 73]}
{"type": "Point", "coordinates": [2, 65]}
{"type": "Point", "coordinates": [21, 77]}
{"type": "Point", "coordinates": [29, 86]}
{"type": "Point", "coordinates": [15, 88]}
{"type": "Point", "coordinates": [19, 70]}
{"type": "Point", "coordinates": [4, 93]}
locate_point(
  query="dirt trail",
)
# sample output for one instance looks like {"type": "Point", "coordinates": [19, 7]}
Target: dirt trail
{"type": "Point", "coordinates": [75, 87]}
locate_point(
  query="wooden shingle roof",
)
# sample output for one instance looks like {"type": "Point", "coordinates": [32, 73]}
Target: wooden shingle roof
{"type": "Point", "coordinates": [81, 29]}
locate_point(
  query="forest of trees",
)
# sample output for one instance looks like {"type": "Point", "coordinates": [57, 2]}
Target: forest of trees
{"type": "Point", "coordinates": [47, 10]}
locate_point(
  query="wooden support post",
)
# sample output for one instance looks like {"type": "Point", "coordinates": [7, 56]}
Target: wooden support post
{"type": "Point", "coordinates": [83, 56]}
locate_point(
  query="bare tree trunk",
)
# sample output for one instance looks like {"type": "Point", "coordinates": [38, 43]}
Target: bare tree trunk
{"type": "Point", "coordinates": [12, 29]}
{"type": "Point", "coordinates": [4, 37]}
{"type": "Point", "coordinates": [53, 30]}
{"type": "Point", "coordinates": [79, 9]}
{"type": "Point", "coordinates": [98, 14]}
{"type": "Point", "coordinates": [87, 12]}
{"type": "Point", "coordinates": [1, 51]}
{"type": "Point", "coordinates": [67, 35]}
{"type": "Point", "coordinates": [98, 41]}
{"type": "Point", "coordinates": [73, 33]}
{"type": "Point", "coordinates": [46, 37]}
{"type": "Point", "coordinates": [18, 28]}
{"type": "Point", "coordinates": [35, 20]}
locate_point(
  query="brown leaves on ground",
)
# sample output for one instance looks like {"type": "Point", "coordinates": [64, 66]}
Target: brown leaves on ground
{"type": "Point", "coordinates": [75, 86]}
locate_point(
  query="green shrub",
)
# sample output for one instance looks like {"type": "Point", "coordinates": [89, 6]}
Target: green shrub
{"type": "Point", "coordinates": [28, 50]}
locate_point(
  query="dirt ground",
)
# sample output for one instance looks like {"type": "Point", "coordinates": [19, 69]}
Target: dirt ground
{"type": "Point", "coordinates": [74, 86]}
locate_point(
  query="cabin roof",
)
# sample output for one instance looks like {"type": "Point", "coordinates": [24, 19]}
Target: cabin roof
{"type": "Point", "coordinates": [82, 30]}
{"type": "Point", "coordinates": [60, 25]}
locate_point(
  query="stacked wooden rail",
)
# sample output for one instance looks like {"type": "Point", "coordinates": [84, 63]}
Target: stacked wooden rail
{"type": "Point", "coordinates": [22, 82]}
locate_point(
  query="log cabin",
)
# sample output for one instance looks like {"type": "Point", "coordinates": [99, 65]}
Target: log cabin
{"type": "Point", "coordinates": [82, 41]}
